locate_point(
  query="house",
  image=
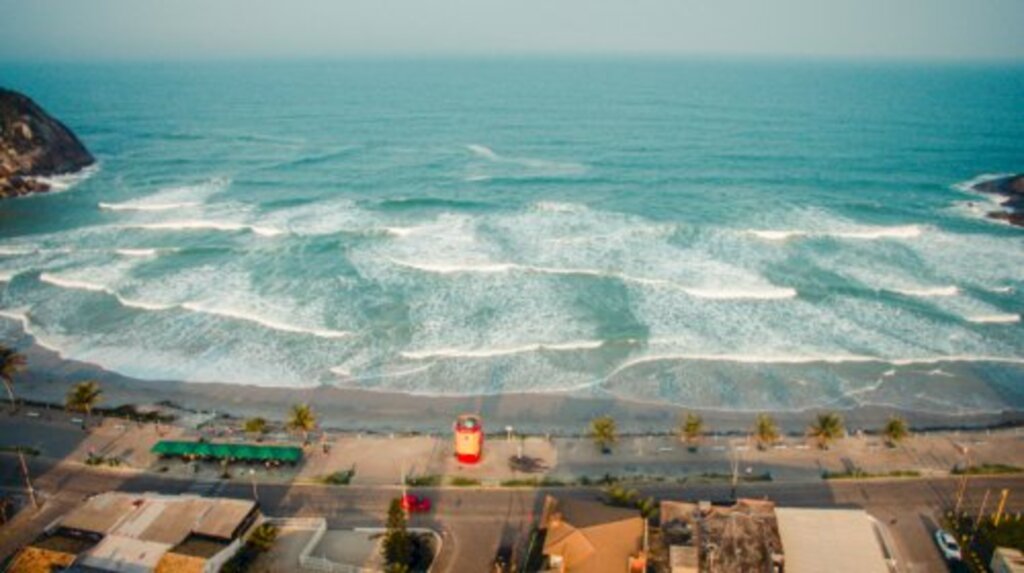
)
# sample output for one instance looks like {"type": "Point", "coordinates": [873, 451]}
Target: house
{"type": "Point", "coordinates": [131, 533]}
{"type": "Point", "coordinates": [591, 537]}
{"type": "Point", "coordinates": [835, 540]}
{"type": "Point", "coordinates": [1007, 560]}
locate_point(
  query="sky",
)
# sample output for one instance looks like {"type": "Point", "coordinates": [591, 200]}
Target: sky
{"type": "Point", "coordinates": [75, 30]}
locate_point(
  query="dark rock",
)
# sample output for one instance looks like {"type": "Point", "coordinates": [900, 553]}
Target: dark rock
{"type": "Point", "coordinates": [34, 144]}
{"type": "Point", "coordinates": [1012, 188]}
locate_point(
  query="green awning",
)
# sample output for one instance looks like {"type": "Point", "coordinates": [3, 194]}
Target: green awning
{"type": "Point", "coordinates": [257, 452]}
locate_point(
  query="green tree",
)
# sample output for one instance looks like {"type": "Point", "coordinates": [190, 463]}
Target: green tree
{"type": "Point", "coordinates": [256, 426]}
{"type": "Point", "coordinates": [620, 496]}
{"type": "Point", "coordinates": [83, 397]}
{"type": "Point", "coordinates": [602, 431]}
{"type": "Point", "coordinates": [766, 431]}
{"type": "Point", "coordinates": [11, 363]}
{"type": "Point", "coordinates": [895, 431]}
{"type": "Point", "coordinates": [302, 419]}
{"type": "Point", "coordinates": [262, 538]}
{"type": "Point", "coordinates": [827, 428]}
{"type": "Point", "coordinates": [691, 429]}
{"type": "Point", "coordinates": [397, 548]}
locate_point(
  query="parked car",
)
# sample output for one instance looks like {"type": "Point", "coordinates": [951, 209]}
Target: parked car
{"type": "Point", "coordinates": [947, 545]}
{"type": "Point", "coordinates": [415, 504]}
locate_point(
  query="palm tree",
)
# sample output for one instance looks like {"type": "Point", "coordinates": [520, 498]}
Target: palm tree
{"type": "Point", "coordinates": [302, 419]}
{"type": "Point", "coordinates": [827, 428]}
{"type": "Point", "coordinates": [691, 429]}
{"type": "Point", "coordinates": [766, 431]}
{"type": "Point", "coordinates": [11, 362]}
{"type": "Point", "coordinates": [895, 431]}
{"type": "Point", "coordinates": [83, 396]}
{"type": "Point", "coordinates": [602, 430]}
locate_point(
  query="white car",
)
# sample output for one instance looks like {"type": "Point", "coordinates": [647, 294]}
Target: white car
{"type": "Point", "coordinates": [947, 545]}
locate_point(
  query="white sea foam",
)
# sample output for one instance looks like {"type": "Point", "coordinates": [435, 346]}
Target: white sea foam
{"type": "Point", "coordinates": [74, 284]}
{"type": "Point", "coordinates": [199, 225]}
{"type": "Point", "coordinates": [172, 198]}
{"type": "Point", "coordinates": [712, 293]}
{"type": "Point", "coordinates": [1002, 289]}
{"type": "Point", "coordinates": [928, 292]}
{"type": "Point", "coordinates": [15, 251]}
{"type": "Point", "coordinates": [994, 318]}
{"type": "Point", "coordinates": [482, 151]}
{"type": "Point", "coordinates": [492, 352]}
{"type": "Point", "coordinates": [6, 276]}
{"type": "Point", "coordinates": [138, 253]}
{"type": "Point", "coordinates": [64, 182]}
{"type": "Point", "coordinates": [869, 234]}
{"type": "Point", "coordinates": [272, 324]}
{"type": "Point", "coordinates": [131, 206]}
{"type": "Point", "coordinates": [559, 207]}
{"type": "Point", "coordinates": [811, 359]}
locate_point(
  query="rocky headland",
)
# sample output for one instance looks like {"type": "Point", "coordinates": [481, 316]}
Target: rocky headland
{"type": "Point", "coordinates": [1012, 188]}
{"type": "Point", "coordinates": [34, 145]}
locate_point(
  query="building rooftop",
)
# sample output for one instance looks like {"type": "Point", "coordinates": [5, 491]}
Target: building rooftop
{"type": "Point", "coordinates": [1009, 560]}
{"type": "Point", "coordinates": [124, 532]}
{"type": "Point", "coordinates": [591, 537]}
{"type": "Point", "coordinates": [737, 538]}
{"type": "Point", "coordinates": [834, 540]}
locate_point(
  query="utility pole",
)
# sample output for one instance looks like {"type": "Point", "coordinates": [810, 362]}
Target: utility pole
{"type": "Point", "coordinates": [28, 480]}
{"type": "Point", "coordinates": [981, 510]}
{"type": "Point", "coordinates": [255, 493]}
{"type": "Point", "coordinates": [735, 462]}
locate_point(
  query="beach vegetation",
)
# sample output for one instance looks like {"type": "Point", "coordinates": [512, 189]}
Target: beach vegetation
{"type": "Point", "coordinates": [858, 473]}
{"type": "Point", "coordinates": [987, 469]}
{"type": "Point", "coordinates": [397, 548]}
{"type": "Point", "coordinates": [259, 541]}
{"type": "Point", "coordinates": [343, 477]}
{"type": "Point", "coordinates": [691, 429]}
{"type": "Point", "coordinates": [895, 431]}
{"type": "Point", "coordinates": [460, 481]}
{"type": "Point", "coordinates": [603, 432]}
{"type": "Point", "coordinates": [83, 397]}
{"type": "Point", "coordinates": [766, 431]}
{"type": "Point", "coordinates": [826, 429]}
{"type": "Point", "coordinates": [256, 426]}
{"type": "Point", "coordinates": [423, 481]}
{"type": "Point", "coordinates": [303, 420]}
{"type": "Point", "coordinates": [26, 450]}
{"type": "Point", "coordinates": [11, 363]}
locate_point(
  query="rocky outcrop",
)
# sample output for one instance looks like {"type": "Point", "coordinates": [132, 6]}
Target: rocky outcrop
{"type": "Point", "coordinates": [34, 144]}
{"type": "Point", "coordinates": [1012, 188]}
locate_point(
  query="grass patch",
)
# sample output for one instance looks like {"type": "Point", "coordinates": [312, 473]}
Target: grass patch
{"type": "Point", "coordinates": [339, 478]}
{"type": "Point", "coordinates": [861, 474]}
{"type": "Point", "coordinates": [459, 481]}
{"type": "Point", "coordinates": [533, 482]}
{"type": "Point", "coordinates": [423, 481]}
{"type": "Point", "coordinates": [28, 451]}
{"type": "Point", "coordinates": [987, 469]}
{"type": "Point", "coordinates": [103, 461]}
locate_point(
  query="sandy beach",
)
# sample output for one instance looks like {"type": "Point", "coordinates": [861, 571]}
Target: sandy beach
{"type": "Point", "coordinates": [48, 376]}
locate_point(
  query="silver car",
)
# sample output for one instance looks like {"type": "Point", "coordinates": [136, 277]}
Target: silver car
{"type": "Point", "coordinates": [947, 545]}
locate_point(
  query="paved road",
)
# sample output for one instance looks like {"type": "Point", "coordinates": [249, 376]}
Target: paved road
{"type": "Point", "coordinates": [476, 521]}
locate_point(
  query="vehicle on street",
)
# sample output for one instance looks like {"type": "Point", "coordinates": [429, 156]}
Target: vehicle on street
{"type": "Point", "coordinates": [415, 504]}
{"type": "Point", "coordinates": [947, 545]}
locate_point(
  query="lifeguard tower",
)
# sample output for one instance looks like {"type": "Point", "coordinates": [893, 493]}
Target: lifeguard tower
{"type": "Point", "coordinates": [469, 438]}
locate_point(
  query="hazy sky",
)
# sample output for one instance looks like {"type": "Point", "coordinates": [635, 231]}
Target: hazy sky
{"type": "Point", "coordinates": [198, 29]}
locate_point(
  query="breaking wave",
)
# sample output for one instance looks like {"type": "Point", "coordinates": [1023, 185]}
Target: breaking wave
{"type": "Point", "coordinates": [274, 325]}
{"type": "Point", "coordinates": [199, 225]}
{"type": "Point", "coordinates": [902, 232]}
{"type": "Point", "coordinates": [927, 292]}
{"type": "Point", "coordinates": [492, 352]}
{"type": "Point", "coordinates": [994, 318]}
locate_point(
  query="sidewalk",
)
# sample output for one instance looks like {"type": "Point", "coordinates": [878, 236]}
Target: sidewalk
{"type": "Point", "coordinates": [382, 459]}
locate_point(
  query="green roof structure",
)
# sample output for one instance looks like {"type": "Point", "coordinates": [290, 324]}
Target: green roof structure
{"type": "Point", "coordinates": [242, 452]}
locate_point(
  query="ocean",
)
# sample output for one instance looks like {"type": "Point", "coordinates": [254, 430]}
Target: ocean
{"type": "Point", "coordinates": [736, 235]}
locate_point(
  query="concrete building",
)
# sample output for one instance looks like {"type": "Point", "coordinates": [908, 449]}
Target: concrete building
{"type": "Point", "coordinates": [754, 536]}
{"type": "Point", "coordinates": [129, 533]}
{"type": "Point", "coordinates": [591, 537]}
{"type": "Point", "coordinates": [1007, 560]}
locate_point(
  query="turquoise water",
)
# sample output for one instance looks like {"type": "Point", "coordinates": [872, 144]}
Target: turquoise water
{"type": "Point", "coordinates": [736, 235]}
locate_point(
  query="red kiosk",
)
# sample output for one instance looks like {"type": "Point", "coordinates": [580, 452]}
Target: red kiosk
{"type": "Point", "coordinates": [469, 438]}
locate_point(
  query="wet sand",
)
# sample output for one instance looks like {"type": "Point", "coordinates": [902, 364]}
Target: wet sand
{"type": "Point", "coordinates": [48, 377]}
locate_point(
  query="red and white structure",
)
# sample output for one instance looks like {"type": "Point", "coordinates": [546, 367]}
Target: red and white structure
{"type": "Point", "coordinates": [469, 438]}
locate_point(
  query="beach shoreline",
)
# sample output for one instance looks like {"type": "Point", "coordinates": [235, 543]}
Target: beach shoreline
{"type": "Point", "coordinates": [48, 377]}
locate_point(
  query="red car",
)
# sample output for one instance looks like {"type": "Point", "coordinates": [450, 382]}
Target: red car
{"type": "Point", "coordinates": [415, 504]}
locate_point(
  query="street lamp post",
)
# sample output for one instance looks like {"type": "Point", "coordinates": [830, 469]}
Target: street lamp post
{"type": "Point", "coordinates": [252, 478]}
